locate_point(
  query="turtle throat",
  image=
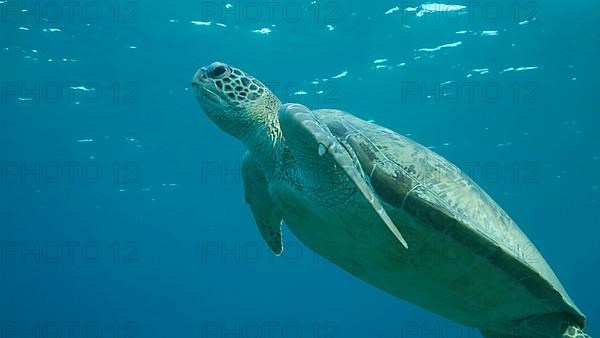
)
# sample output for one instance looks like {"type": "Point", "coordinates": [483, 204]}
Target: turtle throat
{"type": "Point", "coordinates": [263, 135]}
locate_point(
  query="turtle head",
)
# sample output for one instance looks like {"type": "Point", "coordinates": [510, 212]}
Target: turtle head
{"type": "Point", "coordinates": [237, 102]}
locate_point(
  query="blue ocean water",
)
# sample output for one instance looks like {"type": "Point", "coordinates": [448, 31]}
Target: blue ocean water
{"type": "Point", "coordinates": [121, 204]}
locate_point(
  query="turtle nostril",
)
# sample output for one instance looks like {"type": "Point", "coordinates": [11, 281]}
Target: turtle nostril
{"type": "Point", "coordinates": [217, 71]}
{"type": "Point", "coordinates": [199, 76]}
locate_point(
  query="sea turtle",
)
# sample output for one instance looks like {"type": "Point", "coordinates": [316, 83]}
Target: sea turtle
{"type": "Point", "coordinates": [386, 209]}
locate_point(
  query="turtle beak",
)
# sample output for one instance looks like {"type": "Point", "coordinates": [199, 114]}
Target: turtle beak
{"type": "Point", "coordinates": [202, 86]}
{"type": "Point", "coordinates": [206, 95]}
{"type": "Point", "coordinates": [199, 77]}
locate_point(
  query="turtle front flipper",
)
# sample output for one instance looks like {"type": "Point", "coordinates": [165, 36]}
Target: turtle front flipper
{"type": "Point", "coordinates": [311, 140]}
{"type": "Point", "coordinates": [266, 214]}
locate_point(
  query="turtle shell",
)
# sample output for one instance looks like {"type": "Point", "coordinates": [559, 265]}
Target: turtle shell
{"type": "Point", "coordinates": [417, 181]}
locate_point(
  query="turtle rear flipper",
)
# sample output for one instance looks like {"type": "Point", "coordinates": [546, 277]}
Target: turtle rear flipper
{"type": "Point", "coordinates": [310, 139]}
{"type": "Point", "coordinates": [549, 325]}
{"type": "Point", "coordinates": [570, 332]}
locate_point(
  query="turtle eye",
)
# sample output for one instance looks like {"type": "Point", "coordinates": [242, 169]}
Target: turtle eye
{"type": "Point", "coordinates": [217, 71]}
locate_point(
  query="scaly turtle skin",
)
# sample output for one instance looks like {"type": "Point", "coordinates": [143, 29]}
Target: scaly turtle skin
{"type": "Point", "coordinates": [387, 210]}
